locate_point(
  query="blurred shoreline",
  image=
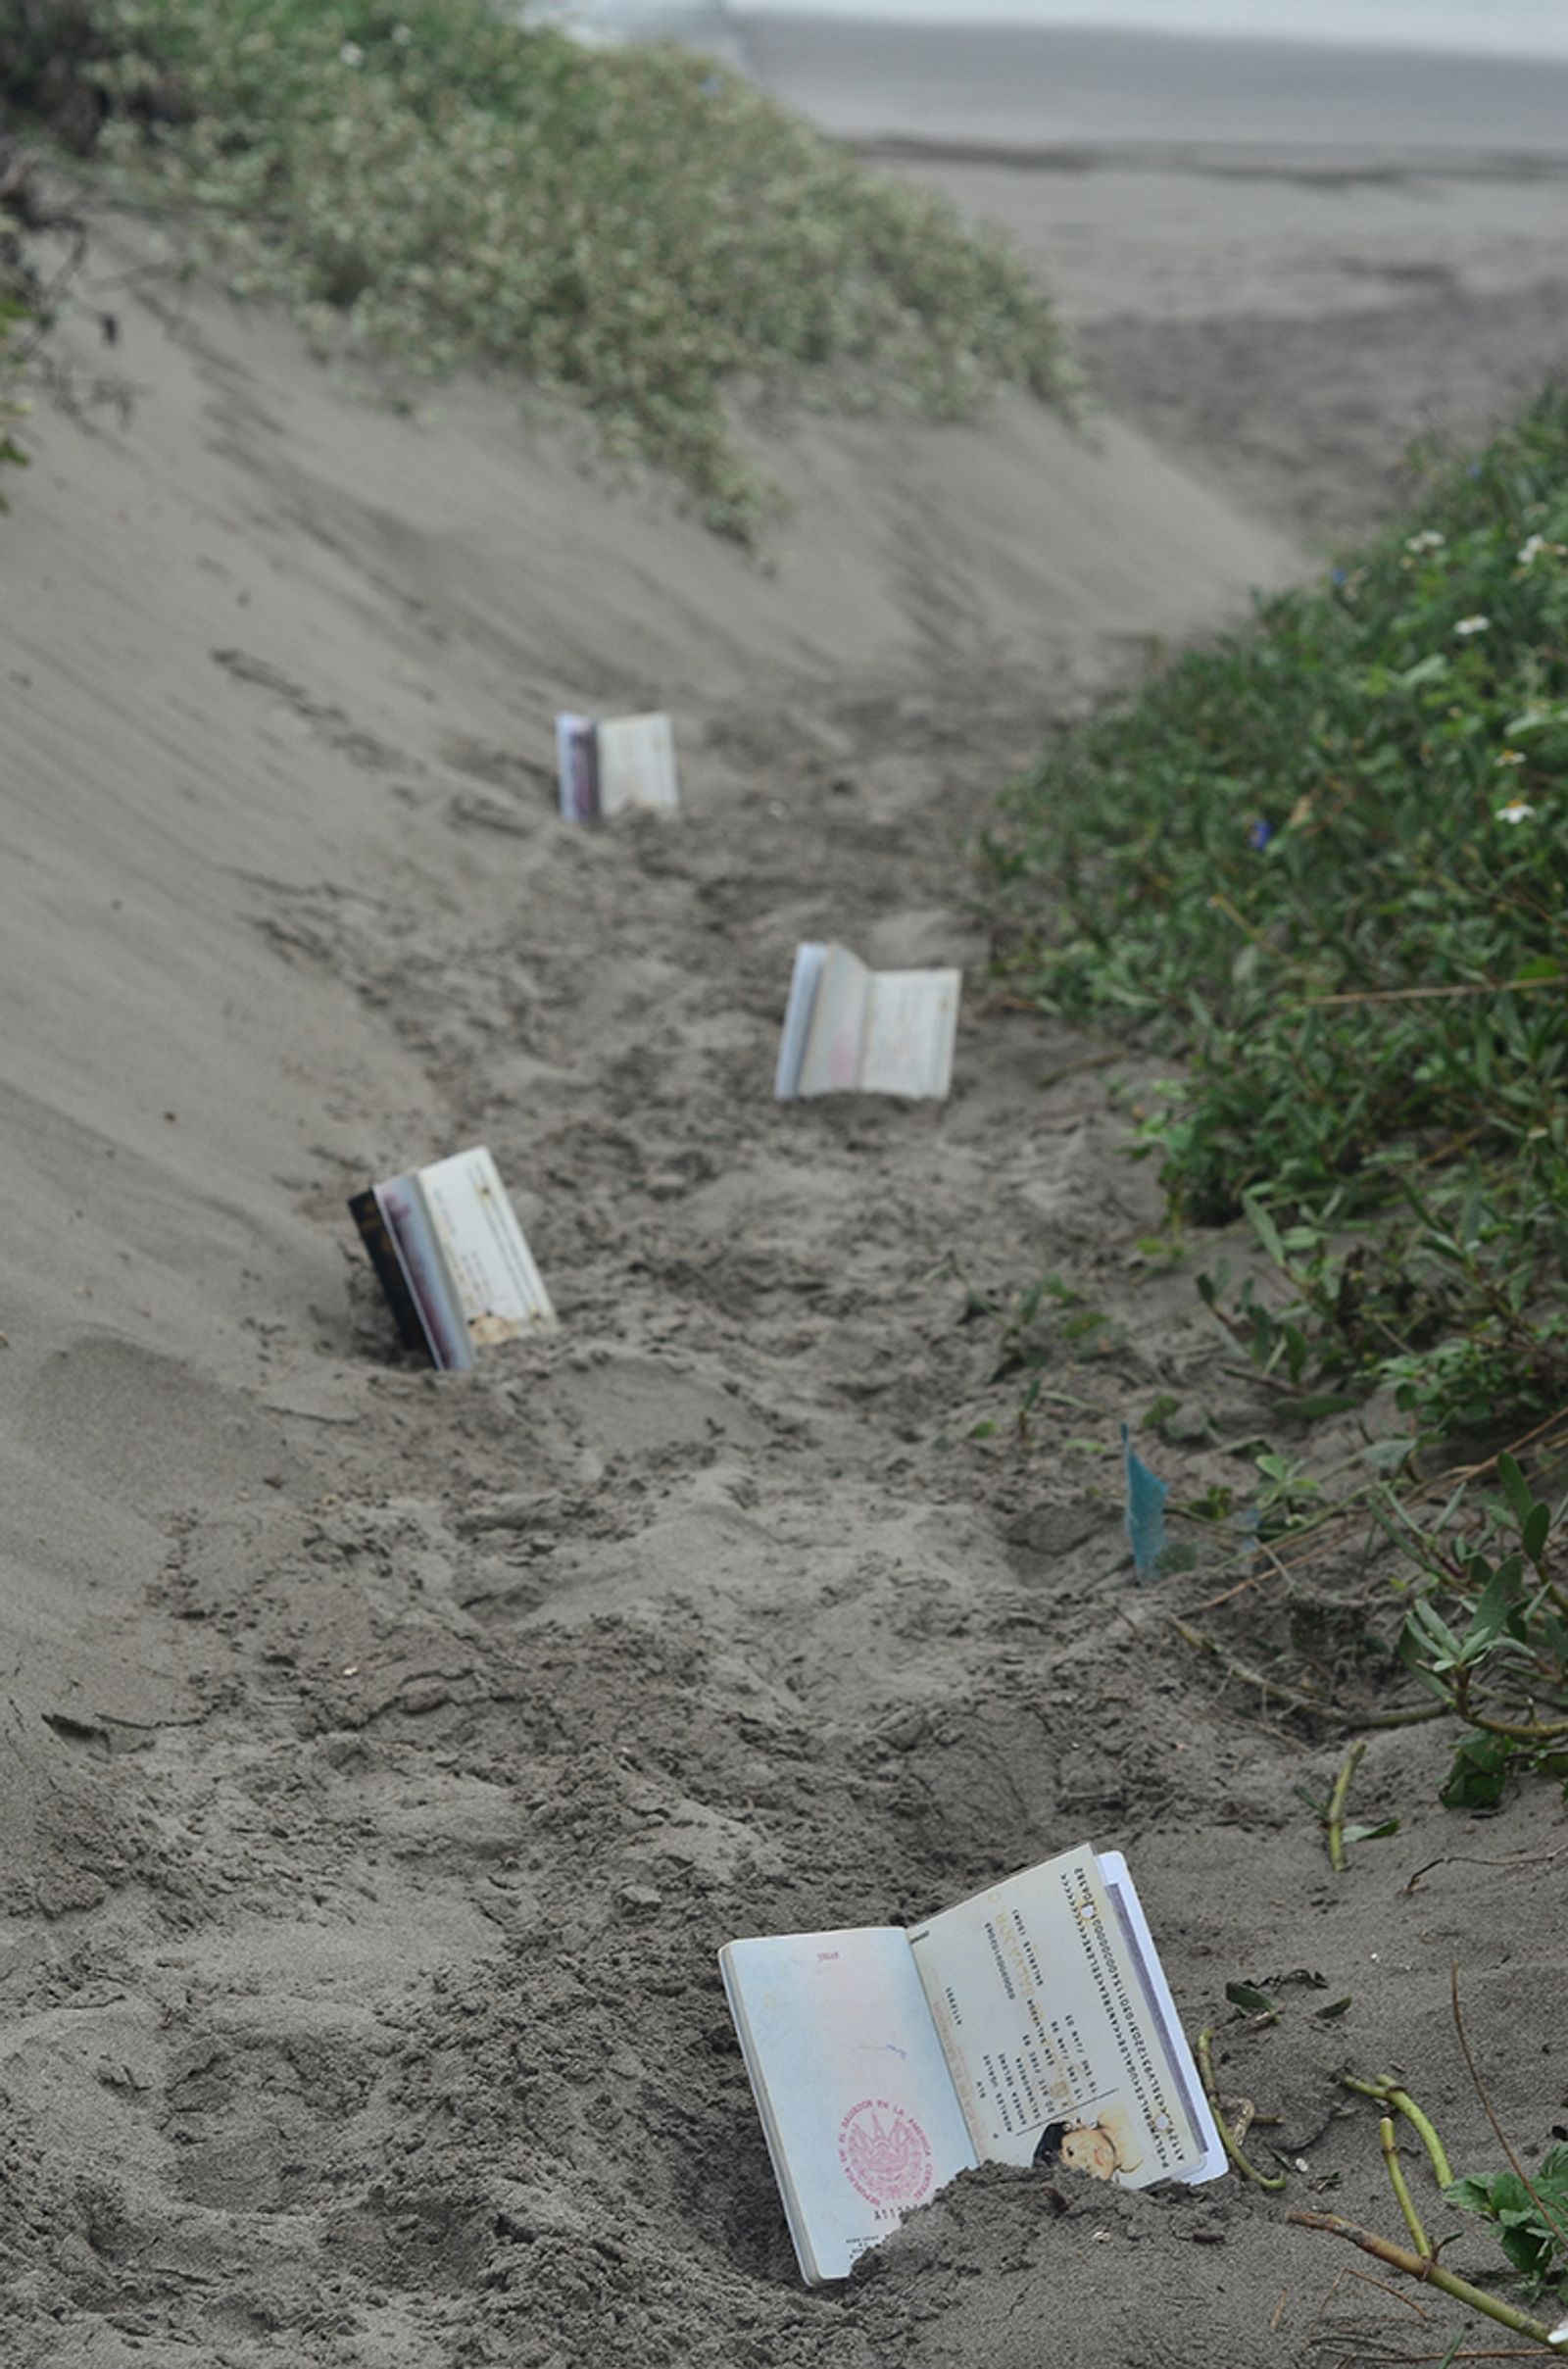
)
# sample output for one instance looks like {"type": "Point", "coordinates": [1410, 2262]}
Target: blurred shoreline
{"type": "Point", "coordinates": [1015, 88]}
{"type": "Point", "coordinates": [1020, 87]}
{"type": "Point", "coordinates": [1526, 28]}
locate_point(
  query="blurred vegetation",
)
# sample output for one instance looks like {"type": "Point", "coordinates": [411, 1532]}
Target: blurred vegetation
{"type": "Point", "coordinates": [11, 312]}
{"type": "Point", "coordinates": [27, 303]}
{"type": "Point", "coordinates": [636, 229]}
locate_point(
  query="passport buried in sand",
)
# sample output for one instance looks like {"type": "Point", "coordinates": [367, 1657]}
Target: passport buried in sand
{"type": "Point", "coordinates": [452, 1259]}
{"type": "Point", "coordinates": [607, 767]}
{"type": "Point", "coordinates": [1032, 2024]}
{"type": "Point", "coordinates": [850, 1030]}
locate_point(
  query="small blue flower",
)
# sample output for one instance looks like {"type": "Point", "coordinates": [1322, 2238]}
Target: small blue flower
{"type": "Point", "coordinates": [1338, 575]}
{"type": "Point", "coordinates": [1260, 833]}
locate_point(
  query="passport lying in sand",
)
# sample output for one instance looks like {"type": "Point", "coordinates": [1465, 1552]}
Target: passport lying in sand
{"type": "Point", "coordinates": [451, 1257]}
{"type": "Point", "coordinates": [850, 1030]}
{"type": "Point", "coordinates": [1032, 2024]}
{"type": "Point", "coordinates": [604, 767]}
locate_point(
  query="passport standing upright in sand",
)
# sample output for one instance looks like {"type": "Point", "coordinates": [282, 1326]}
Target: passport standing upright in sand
{"type": "Point", "coordinates": [849, 1029]}
{"type": "Point", "coordinates": [1031, 2024]}
{"type": "Point", "coordinates": [452, 1258]}
{"type": "Point", "coordinates": [605, 767]}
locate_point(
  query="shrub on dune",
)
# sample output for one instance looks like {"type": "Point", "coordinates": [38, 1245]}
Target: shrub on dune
{"type": "Point", "coordinates": [636, 229]}
{"type": "Point", "coordinates": [1329, 859]}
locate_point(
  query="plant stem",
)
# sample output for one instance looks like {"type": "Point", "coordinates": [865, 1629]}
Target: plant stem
{"type": "Point", "coordinates": [1546, 2212]}
{"type": "Point", "coordinates": [1413, 995]}
{"type": "Point", "coordinates": [1389, 2093]}
{"type": "Point", "coordinates": [1431, 2273]}
{"type": "Point", "coordinates": [1305, 1702]}
{"type": "Point", "coordinates": [1441, 2170]}
{"type": "Point", "coordinates": [1335, 1820]}
{"type": "Point", "coordinates": [1248, 2171]}
{"type": "Point", "coordinates": [1517, 1731]}
{"type": "Point", "coordinates": [1401, 2190]}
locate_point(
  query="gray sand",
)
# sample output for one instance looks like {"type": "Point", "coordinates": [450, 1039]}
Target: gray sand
{"type": "Point", "coordinates": [388, 1758]}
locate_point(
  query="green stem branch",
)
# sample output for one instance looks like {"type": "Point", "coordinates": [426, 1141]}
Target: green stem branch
{"type": "Point", "coordinates": [1248, 2171]}
{"type": "Point", "coordinates": [1335, 1820]}
{"type": "Point", "coordinates": [1401, 2190]}
{"type": "Point", "coordinates": [1298, 1702]}
{"type": "Point", "coordinates": [1431, 2273]}
{"type": "Point", "coordinates": [1389, 2093]}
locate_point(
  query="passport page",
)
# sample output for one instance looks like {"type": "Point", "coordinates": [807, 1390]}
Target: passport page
{"type": "Point", "coordinates": [912, 1019]}
{"type": "Point", "coordinates": [499, 1288]}
{"type": "Point", "coordinates": [810, 960]}
{"type": "Point", "coordinates": [1064, 2048]}
{"type": "Point", "coordinates": [836, 1038]}
{"type": "Point", "coordinates": [636, 765]}
{"type": "Point", "coordinates": [854, 2094]}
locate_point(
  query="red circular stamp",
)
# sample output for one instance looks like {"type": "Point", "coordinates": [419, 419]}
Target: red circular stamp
{"type": "Point", "coordinates": [885, 2155]}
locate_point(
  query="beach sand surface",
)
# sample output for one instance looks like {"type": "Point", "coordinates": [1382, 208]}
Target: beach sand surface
{"type": "Point", "coordinates": [387, 1757]}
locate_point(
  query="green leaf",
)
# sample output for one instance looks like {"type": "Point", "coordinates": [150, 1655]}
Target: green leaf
{"type": "Point", "coordinates": [1252, 2000]}
{"type": "Point", "coordinates": [1371, 1834]}
{"type": "Point", "coordinates": [1413, 1650]}
{"type": "Point", "coordinates": [1479, 1775]}
{"type": "Point", "coordinates": [1535, 1531]}
{"type": "Point", "coordinates": [1386, 1456]}
{"type": "Point", "coordinates": [1316, 1406]}
{"type": "Point", "coordinates": [1426, 671]}
{"type": "Point", "coordinates": [1435, 1630]}
{"type": "Point", "coordinates": [1515, 1487]}
{"type": "Point", "coordinates": [1493, 1608]}
{"type": "Point", "coordinates": [1472, 2193]}
{"type": "Point", "coordinates": [1264, 1227]}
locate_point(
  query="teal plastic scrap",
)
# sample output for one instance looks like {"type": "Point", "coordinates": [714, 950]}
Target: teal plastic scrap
{"type": "Point", "coordinates": [1146, 1510]}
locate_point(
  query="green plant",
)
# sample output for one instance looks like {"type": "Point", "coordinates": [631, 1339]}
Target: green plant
{"type": "Point", "coordinates": [1524, 2211]}
{"type": "Point", "coordinates": [21, 294]}
{"type": "Point", "coordinates": [637, 231]}
{"type": "Point", "coordinates": [1487, 1634]}
{"type": "Point", "coordinates": [1329, 1810]}
{"type": "Point", "coordinates": [1325, 860]}
{"type": "Point", "coordinates": [13, 313]}
{"type": "Point", "coordinates": [1531, 2220]}
{"type": "Point", "coordinates": [1037, 1329]}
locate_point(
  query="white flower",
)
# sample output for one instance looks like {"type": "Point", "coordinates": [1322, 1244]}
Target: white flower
{"type": "Point", "coordinates": [1517, 809]}
{"type": "Point", "coordinates": [1428, 539]}
{"type": "Point", "coordinates": [1531, 550]}
{"type": "Point", "coordinates": [1511, 756]}
{"type": "Point", "coordinates": [1472, 625]}
{"type": "Point", "coordinates": [1559, 2334]}
{"type": "Point", "coordinates": [352, 54]}
{"type": "Point", "coordinates": [402, 35]}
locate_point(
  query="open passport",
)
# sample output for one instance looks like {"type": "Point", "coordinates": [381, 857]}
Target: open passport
{"type": "Point", "coordinates": [847, 1029]}
{"type": "Point", "coordinates": [604, 766]}
{"type": "Point", "coordinates": [1032, 2024]}
{"type": "Point", "coordinates": [451, 1259]}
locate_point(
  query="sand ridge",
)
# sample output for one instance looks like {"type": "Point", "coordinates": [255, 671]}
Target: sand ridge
{"type": "Point", "coordinates": [388, 1756]}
